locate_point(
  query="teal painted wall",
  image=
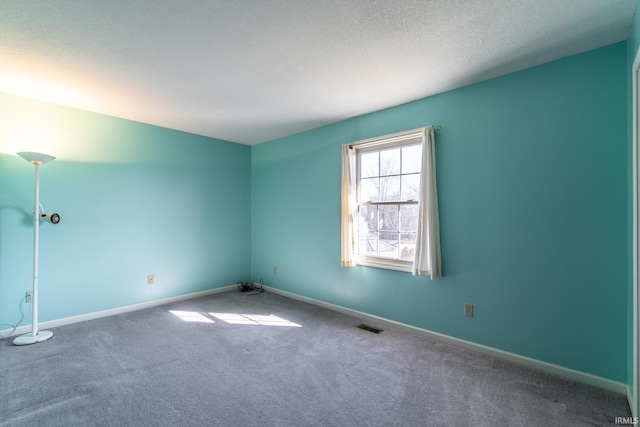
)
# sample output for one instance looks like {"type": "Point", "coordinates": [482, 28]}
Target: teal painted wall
{"type": "Point", "coordinates": [633, 43]}
{"type": "Point", "coordinates": [134, 199]}
{"type": "Point", "coordinates": [532, 176]}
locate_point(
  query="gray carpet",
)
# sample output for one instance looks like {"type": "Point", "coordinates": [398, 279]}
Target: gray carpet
{"type": "Point", "coordinates": [152, 368]}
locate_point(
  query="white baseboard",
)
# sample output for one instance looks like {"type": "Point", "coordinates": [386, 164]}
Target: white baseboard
{"type": "Point", "coordinates": [562, 371]}
{"type": "Point", "coordinates": [631, 401]}
{"type": "Point", "coordinates": [110, 312]}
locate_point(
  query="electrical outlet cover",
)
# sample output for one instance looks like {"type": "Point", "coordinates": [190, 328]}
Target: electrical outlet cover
{"type": "Point", "coordinates": [468, 310]}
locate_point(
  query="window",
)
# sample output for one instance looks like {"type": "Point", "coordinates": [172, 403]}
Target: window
{"type": "Point", "coordinates": [387, 194]}
{"type": "Point", "coordinates": [385, 222]}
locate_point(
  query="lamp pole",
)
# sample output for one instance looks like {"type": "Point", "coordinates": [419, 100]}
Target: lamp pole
{"type": "Point", "coordinates": [36, 245]}
{"type": "Point", "coordinates": [35, 336]}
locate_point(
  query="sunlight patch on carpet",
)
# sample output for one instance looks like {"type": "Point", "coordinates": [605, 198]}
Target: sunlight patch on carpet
{"type": "Point", "coordinates": [254, 319]}
{"type": "Point", "coordinates": [191, 316]}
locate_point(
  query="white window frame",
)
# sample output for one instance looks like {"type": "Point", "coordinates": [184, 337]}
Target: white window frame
{"type": "Point", "coordinates": [400, 139]}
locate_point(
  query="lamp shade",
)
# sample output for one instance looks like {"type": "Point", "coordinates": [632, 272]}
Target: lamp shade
{"type": "Point", "coordinates": [36, 158]}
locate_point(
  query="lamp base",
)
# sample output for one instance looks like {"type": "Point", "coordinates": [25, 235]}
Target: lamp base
{"type": "Point", "coordinates": [29, 338]}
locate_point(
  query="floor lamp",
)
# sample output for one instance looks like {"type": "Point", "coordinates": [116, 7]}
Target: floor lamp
{"type": "Point", "coordinates": [35, 336]}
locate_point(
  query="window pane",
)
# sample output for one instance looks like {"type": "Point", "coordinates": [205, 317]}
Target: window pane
{"type": "Point", "coordinates": [388, 244]}
{"type": "Point", "coordinates": [409, 218]}
{"type": "Point", "coordinates": [407, 246]}
{"type": "Point", "coordinates": [388, 217]}
{"type": "Point", "coordinates": [368, 220]}
{"type": "Point", "coordinates": [368, 230]}
{"type": "Point", "coordinates": [369, 165]}
{"type": "Point", "coordinates": [368, 243]}
{"type": "Point", "coordinates": [390, 189]}
{"type": "Point", "coordinates": [410, 187]}
{"type": "Point", "coordinates": [411, 159]}
{"type": "Point", "coordinates": [369, 189]}
{"type": "Point", "coordinates": [390, 162]}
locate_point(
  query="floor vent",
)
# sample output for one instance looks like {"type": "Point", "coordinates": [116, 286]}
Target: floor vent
{"type": "Point", "coordinates": [369, 328]}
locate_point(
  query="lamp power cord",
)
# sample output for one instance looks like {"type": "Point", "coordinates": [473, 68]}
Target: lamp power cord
{"type": "Point", "coordinates": [251, 286]}
{"type": "Point", "coordinates": [22, 300]}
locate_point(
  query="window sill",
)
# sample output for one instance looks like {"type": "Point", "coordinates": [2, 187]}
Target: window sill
{"type": "Point", "coordinates": [388, 264]}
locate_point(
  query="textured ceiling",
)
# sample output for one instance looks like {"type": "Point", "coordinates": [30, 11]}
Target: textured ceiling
{"type": "Point", "coordinates": [250, 71]}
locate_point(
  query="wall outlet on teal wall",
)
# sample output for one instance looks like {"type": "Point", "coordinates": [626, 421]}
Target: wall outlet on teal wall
{"type": "Point", "coordinates": [468, 310]}
{"type": "Point", "coordinates": [151, 279]}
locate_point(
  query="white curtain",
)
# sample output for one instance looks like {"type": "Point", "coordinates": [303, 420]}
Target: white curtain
{"type": "Point", "coordinates": [348, 205]}
{"type": "Point", "coordinates": [427, 255]}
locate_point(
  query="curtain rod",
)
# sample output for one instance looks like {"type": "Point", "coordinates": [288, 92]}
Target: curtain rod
{"type": "Point", "coordinates": [437, 128]}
